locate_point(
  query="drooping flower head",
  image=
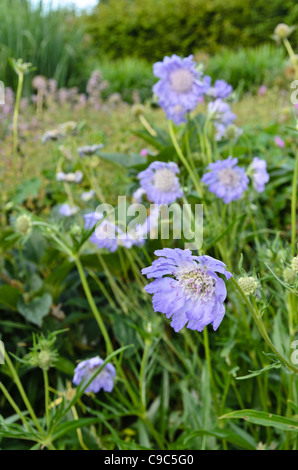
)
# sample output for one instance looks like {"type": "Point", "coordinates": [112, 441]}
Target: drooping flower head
{"type": "Point", "coordinates": [105, 234]}
{"type": "Point", "coordinates": [89, 149]}
{"type": "Point", "coordinates": [187, 289]}
{"type": "Point", "coordinates": [220, 113]}
{"type": "Point", "coordinates": [259, 174]}
{"type": "Point", "coordinates": [160, 182]}
{"type": "Point", "coordinates": [104, 379]}
{"type": "Point", "coordinates": [67, 210]}
{"type": "Point", "coordinates": [179, 87]}
{"type": "Point", "coordinates": [226, 179]}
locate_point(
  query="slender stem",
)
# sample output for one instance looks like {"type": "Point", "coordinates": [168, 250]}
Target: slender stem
{"type": "Point", "coordinates": [294, 207]}
{"type": "Point", "coordinates": [16, 113]}
{"type": "Point", "coordinates": [142, 382]}
{"type": "Point", "coordinates": [13, 404]}
{"type": "Point", "coordinates": [93, 307]}
{"type": "Point", "coordinates": [183, 159]}
{"type": "Point", "coordinates": [22, 392]}
{"type": "Point", "coordinates": [47, 400]}
{"type": "Point", "coordinates": [262, 329]}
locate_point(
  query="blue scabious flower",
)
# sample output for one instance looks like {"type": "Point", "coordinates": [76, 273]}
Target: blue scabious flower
{"type": "Point", "coordinates": [222, 116]}
{"type": "Point", "coordinates": [220, 89]}
{"type": "Point", "coordinates": [160, 182]}
{"type": "Point", "coordinates": [226, 180]}
{"type": "Point", "coordinates": [68, 210]}
{"type": "Point", "coordinates": [105, 234]}
{"type": "Point", "coordinates": [187, 289]}
{"type": "Point", "coordinates": [259, 174]}
{"type": "Point", "coordinates": [104, 380]}
{"type": "Point", "coordinates": [179, 87]}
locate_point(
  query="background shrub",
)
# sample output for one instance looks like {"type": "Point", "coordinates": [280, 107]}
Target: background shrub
{"type": "Point", "coordinates": [153, 28]}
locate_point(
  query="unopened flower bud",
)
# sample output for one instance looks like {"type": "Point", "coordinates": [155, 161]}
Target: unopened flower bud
{"type": "Point", "coordinates": [23, 224]}
{"type": "Point", "coordinates": [289, 275]}
{"type": "Point", "coordinates": [282, 31]}
{"type": "Point", "coordinates": [294, 264]}
{"type": "Point", "coordinates": [137, 109]}
{"type": "Point", "coordinates": [248, 285]}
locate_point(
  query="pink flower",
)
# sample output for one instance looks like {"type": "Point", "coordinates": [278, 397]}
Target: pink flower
{"type": "Point", "coordinates": [279, 142]}
{"type": "Point", "coordinates": [144, 152]}
{"type": "Point", "coordinates": [262, 90]}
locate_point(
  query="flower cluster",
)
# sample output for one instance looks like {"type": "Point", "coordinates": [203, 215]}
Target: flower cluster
{"type": "Point", "coordinates": [187, 289]}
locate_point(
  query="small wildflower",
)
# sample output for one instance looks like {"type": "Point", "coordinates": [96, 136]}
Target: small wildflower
{"type": "Point", "coordinates": [262, 90]}
{"type": "Point", "coordinates": [68, 210]}
{"type": "Point", "coordinates": [294, 264]}
{"type": "Point", "coordinates": [89, 149]}
{"type": "Point", "coordinates": [191, 292]}
{"type": "Point", "coordinates": [23, 224]}
{"type": "Point", "coordinates": [248, 285]}
{"type": "Point", "coordinates": [279, 141]}
{"type": "Point", "coordinates": [87, 195]}
{"type": "Point", "coordinates": [222, 116]}
{"type": "Point", "coordinates": [226, 180]}
{"type": "Point", "coordinates": [160, 182]}
{"type": "Point", "coordinates": [179, 87]}
{"type": "Point", "coordinates": [259, 174]}
{"type": "Point", "coordinates": [104, 379]}
{"type": "Point", "coordinates": [221, 89]}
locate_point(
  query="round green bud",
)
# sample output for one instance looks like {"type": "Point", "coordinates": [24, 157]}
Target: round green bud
{"type": "Point", "coordinates": [282, 31]}
{"type": "Point", "coordinates": [289, 275]}
{"type": "Point", "coordinates": [248, 285]}
{"type": "Point", "coordinates": [23, 224]}
{"type": "Point", "coordinates": [294, 264]}
{"type": "Point", "coordinates": [46, 359]}
{"type": "Point", "coordinates": [137, 109]}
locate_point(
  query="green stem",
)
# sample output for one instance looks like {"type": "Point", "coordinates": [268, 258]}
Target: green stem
{"type": "Point", "coordinates": [16, 113]}
{"type": "Point", "coordinates": [262, 328]}
{"type": "Point", "coordinates": [13, 404]}
{"type": "Point", "coordinates": [293, 207]}
{"type": "Point", "coordinates": [22, 392]}
{"type": "Point", "coordinates": [93, 307]}
{"type": "Point", "coordinates": [47, 401]}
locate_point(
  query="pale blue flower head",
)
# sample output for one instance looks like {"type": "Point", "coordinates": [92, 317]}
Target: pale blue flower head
{"type": "Point", "coordinates": [179, 87]}
{"type": "Point", "coordinates": [187, 289]}
{"type": "Point", "coordinates": [220, 89]}
{"type": "Point", "coordinates": [160, 182]}
{"type": "Point", "coordinates": [104, 379]}
{"type": "Point", "coordinates": [259, 174]}
{"type": "Point", "coordinates": [67, 210]}
{"type": "Point", "coordinates": [226, 179]}
{"type": "Point", "coordinates": [222, 116]}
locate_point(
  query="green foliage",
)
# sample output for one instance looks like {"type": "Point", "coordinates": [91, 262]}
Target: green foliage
{"type": "Point", "coordinates": [49, 39]}
{"type": "Point", "coordinates": [153, 28]}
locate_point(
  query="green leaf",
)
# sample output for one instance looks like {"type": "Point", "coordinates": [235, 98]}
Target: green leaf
{"type": "Point", "coordinates": [26, 189]}
{"type": "Point", "coordinates": [35, 310]}
{"type": "Point", "coordinates": [9, 296]}
{"type": "Point", "coordinates": [264, 419]}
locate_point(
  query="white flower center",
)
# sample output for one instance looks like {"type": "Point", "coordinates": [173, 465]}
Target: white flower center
{"type": "Point", "coordinates": [196, 284]}
{"type": "Point", "coordinates": [164, 179]}
{"type": "Point", "coordinates": [181, 80]}
{"type": "Point", "coordinates": [229, 177]}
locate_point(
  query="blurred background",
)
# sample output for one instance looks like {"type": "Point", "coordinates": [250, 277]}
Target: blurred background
{"type": "Point", "coordinates": [67, 40]}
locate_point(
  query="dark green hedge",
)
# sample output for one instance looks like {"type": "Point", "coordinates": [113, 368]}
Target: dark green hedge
{"type": "Point", "coordinates": [154, 28]}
